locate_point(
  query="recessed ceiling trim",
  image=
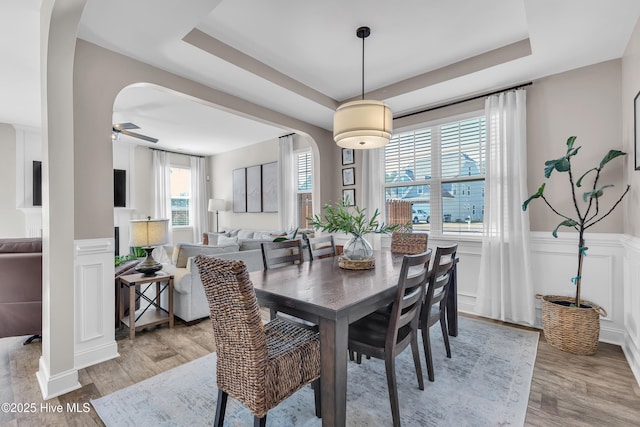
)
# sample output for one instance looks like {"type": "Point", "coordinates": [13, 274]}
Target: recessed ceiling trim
{"type": "Point", "coordinates": [474, 64]}
{"type": "Point", "coordinates": [223, 51]}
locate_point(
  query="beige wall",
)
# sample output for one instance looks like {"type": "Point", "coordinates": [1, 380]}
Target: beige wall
{"type": "Point", "coordinates": [586, 103]}
{"type": "Point", "coordinates": [221, 167]}
{"type": "Point", "coordinates": [93, 108]}
{"type": "Point", "coordinates": [12, 223]}
{"type": "Point", "coordinates": [630, 87]}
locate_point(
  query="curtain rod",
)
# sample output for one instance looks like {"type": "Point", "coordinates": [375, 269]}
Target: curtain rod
{"type": "Point", "coordinates": [175, 152]}
{"type": "Point", "coordinates": [449, 104]}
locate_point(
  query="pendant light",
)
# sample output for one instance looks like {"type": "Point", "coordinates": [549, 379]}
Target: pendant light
{"type": "Point", "coordinates": [362, 124]}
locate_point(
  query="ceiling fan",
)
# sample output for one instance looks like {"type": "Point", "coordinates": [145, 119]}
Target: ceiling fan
{"type": "Point", "coordinates": [123, 128]}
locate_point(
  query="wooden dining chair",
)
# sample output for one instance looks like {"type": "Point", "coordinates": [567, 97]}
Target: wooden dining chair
{"type": "Point", "coordinates": [258, 364]}
{"type": "Point", "coordinates": [385, 336]}
{"type": "Point", "coordinates": [276, 254]}
{"type": "Point", "coordinates": [321, 247]}
{"type": "Point", "coordinates": [434, 307]}
{"type": "Point", "coordinates": [408, 242]}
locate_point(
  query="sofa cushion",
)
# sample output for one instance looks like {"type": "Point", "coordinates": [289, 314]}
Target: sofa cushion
{"type": "Point", "coordinates": [183, 251]}
{"type": "Point", "coordinates": [21, 245]}
{"type": "Point", "coordinates": [245, 234]}
{"type": "Point", "coordinates": [249, 244]}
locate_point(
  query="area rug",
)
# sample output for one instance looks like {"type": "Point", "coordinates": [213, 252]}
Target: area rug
{"type": "Point", "coordinates": [485, 383]}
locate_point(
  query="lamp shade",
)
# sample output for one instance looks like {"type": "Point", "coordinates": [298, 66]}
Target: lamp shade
{"type": "Point", "coordinates": [149, 232]}
{"type": "Point", "coordinates": [362, 124]}
{"type": "Point", "coordinates": [216, 205]}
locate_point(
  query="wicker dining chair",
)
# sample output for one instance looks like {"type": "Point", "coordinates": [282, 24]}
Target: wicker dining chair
{"type": "Point", "coordinates": [258, 364]}
{"type": "Point", "coordinates": [321, 247]}
{"type": "Point", "coordinates": [435, 301]}
{"type": "Point", "coordinates": [408, 242]}
{"type": "Point", "coordinates": [385, 336]}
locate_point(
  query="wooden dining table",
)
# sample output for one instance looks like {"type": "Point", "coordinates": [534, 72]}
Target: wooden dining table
{"type": "Point", "coordinates": [331, 297]}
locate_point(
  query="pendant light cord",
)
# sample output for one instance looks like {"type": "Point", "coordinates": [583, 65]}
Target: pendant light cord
{"type": "Point", "coordinates": [363, 68]}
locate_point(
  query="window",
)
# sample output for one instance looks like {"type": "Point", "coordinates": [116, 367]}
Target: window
{"type": "Point", "coordinates": [434, 177]}
{"type": "Point", "coordinates": [180, 196]}
{"type": "Point", "coordinates": [304, 186]}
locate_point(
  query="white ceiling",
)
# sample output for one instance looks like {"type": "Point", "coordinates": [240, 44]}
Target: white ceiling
{"type": "Point", "coordinates": [302, 58]}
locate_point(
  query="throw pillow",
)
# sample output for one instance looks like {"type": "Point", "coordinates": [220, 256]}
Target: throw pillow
{"type": "Point", "coordinates": [245, 234]}
{"type": "Point", "coordinates": [223, 240]}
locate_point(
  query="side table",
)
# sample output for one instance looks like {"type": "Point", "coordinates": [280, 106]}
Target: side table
{"type": "Point", "coordinates": [146, 316]}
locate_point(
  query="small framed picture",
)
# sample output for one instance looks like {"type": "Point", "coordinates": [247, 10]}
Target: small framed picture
{"type": "Point", "coordinates": [636, 128]}
{"type": "Point", "coordinates": [347, 156]}
{"type": "Point", "coordinates": [349, 196]}
{"type": "Point", "coordinates": [348, 176]}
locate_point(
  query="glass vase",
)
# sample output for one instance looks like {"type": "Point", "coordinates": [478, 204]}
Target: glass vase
{"type": "Point", "coordinates": [357, 249]}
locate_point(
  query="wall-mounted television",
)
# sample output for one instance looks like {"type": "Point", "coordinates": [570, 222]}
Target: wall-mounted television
{"type": "Point", "coordinates": [119, 188]}
{"type": "Point", "coordinates": [37, 183]}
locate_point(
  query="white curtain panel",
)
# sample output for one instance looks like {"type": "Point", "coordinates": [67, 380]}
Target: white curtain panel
{"type": "Point", "coordinates": [372, 181]}
{"type": "Point", "coordinates": [199, 197]}
{"type": "Point", "coordinates": [505, 289]}
{"type": "Point", "coordinates": [286, 190]}
{"type": "Point", "coordinates": [161, 185]}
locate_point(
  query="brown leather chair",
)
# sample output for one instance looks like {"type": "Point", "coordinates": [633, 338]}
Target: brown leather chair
{"type": "Point", "coordinates": [20, 287]}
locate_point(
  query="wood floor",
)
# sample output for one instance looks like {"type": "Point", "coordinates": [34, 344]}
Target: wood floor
{"type": "Point", "coordinates": [566, 390]}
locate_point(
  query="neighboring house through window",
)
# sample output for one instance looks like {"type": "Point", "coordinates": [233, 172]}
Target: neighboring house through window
{"type": "Point", "coordinates": [180, 196]}
{"type": "Point", "coordinates": [440, 169]}
{"type": "Point", "coordinates": [304, 187]}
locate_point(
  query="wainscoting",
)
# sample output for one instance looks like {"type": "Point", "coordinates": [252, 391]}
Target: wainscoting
{"type": "Point", "coordinates": [94, 302]}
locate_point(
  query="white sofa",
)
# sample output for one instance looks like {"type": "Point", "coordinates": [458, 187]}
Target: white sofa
{"type": "Point", "coordinates": [189, 300]}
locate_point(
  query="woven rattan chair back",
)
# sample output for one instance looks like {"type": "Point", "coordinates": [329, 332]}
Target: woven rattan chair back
{"type": "Point", "coordinates": [433, 309]}
{"type": "Point", "coordinates": [259, 365]}
{"type": "Point", "coordinates": [276, 254]}
{"type": "Point", "coordinates": [408, 242]}
{"type": "Point", "coordinates": [321, 247]}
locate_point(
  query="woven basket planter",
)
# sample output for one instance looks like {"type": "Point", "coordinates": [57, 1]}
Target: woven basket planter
{"type": "Point", "coordinates": [571, 329]}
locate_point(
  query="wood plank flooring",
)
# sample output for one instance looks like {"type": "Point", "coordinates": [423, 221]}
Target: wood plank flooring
{"type": "Point", "coordinates": [566, 390]}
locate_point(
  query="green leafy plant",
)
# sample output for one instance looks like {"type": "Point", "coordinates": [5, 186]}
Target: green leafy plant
{"type": "Point", "coordinates": [284, 238]}
{"type": "Point", "coordinates": [349, 220]}
{"type": "Point", "coordinates": [589, 214]}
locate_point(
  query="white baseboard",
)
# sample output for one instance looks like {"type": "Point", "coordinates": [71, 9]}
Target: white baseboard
{"type": "Point", "coordinates": [56, 385]}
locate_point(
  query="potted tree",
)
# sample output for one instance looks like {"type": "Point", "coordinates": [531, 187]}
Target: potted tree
{"type": "Point", "coordinates": [352, 220]}
{"type": "Point", "coordinates": [573, 324]}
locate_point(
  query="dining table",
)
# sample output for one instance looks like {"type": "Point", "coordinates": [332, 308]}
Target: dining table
{"type": "Point", "coordinates": [322, 292]}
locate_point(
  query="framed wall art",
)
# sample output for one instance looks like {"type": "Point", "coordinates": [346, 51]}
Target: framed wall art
{"type": "Point", "coordinates": [636, 128]}
{"type": "Point", "coordinates": [349, 196]}
{"type": "Point", "coordinates": [347, 156]}
{"type": "Point", "coordinates": [254, 189]}
{"type": "Point", "coordinates": [239, 190]}
{"type": "Point", "coordinates": [270, 187]}
{"type": "Point", "coordinates": [348, 176]}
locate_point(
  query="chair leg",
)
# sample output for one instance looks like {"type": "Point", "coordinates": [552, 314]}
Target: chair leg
{"type": "Point", "coordinates": [389, 362]}
{"type": "Point", "coordinates": [317, 392]}
{"type": "Point", "coordinates": [259, 422]}
{"type": "Point", "coordinates": [351, 357]}
{"type": "Point", "coordinates": [272, 314]}
{"type": "Point", "coordinates": [427, 350]}
{"type": "Point", "coordinates": [445, 333]}
{"type": "Point", "coordinates": [221, 407]}
{"type": "Point", "coordinates": [358, 358]}
{"type": "Point", "coordinates": [416, 361]}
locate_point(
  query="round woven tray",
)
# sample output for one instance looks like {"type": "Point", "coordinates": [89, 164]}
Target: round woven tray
{"type": "Point", "coordinates": [348, 264]}
{"type": "Point", "coordinates": [571, 329]}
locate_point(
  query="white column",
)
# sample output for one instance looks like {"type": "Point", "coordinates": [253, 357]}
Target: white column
{"type": "Point", "coordinates": [59, 20]}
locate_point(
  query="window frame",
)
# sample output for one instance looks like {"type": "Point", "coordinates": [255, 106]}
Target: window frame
{"type": "Point", "coordinates": [436, 181]}
{"type": "Point", "coordinates": [190, 198]}
{"type": "Point", "coordinates": [298, 192]}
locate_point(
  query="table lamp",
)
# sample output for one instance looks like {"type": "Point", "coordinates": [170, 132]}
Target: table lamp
{"type": "Point", "coordinates": [148, 233]}
{"type": "Point", "coordinates": [216, 205]}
